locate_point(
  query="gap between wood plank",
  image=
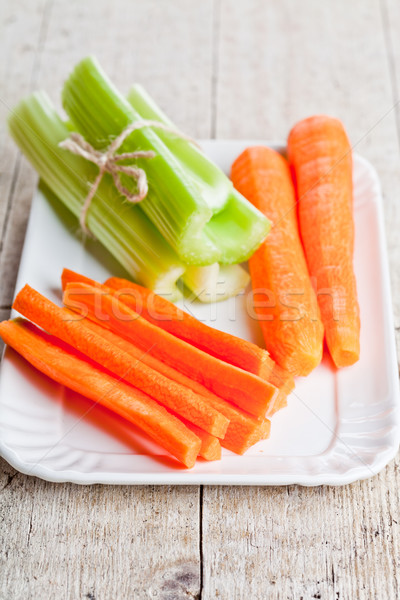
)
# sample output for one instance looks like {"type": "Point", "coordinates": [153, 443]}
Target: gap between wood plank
{"type": "Point", "coordinates": [201, 540]}
{"type": "Point", "coordinates": [213, 132]}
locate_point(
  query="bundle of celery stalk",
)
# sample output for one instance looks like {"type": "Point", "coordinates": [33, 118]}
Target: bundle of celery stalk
{"type": "Point", "coordinates": [192, 227]}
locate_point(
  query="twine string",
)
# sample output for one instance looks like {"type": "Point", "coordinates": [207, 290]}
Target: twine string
{"type": "Point", "coordinates": [107, 162]}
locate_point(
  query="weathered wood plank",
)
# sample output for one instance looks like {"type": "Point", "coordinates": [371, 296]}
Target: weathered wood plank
{"type": "Point", "coordinates": [303, 542]}
{"type": "Point", "coordinates": [21, 30]}
{"type": "Point", "coordinates": [68, 541]}
{"type": "Point", "coordinates": [108, 542]}
{"type": "Point", "coordinates": [14, 234]}
{"type": "Point", "coordinates": [276, 65]}
{"type": "Point", "coordinates": [168, 49]}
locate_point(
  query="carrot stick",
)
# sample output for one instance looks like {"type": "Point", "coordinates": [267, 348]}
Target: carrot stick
{"type": "Point", "coordinates": [242, 429]}
{"type": "Point", "coordinates": [210, 445]}
{"type": "Point", "coordinates": [240, 387]}
{"type": "Point", "coordinates": [68, 276]}
{"type": "Point", "coordinates": [266, 429]}
{"type": "Point", "coordinates": [165, 314]}
{"type": "Point", "coordinates": [284, 299]}
{"type": "Point", "coordinates": [222, 345]}
{"type": "Point", "coordinates": [320, 154]}
{"type": "Point", "coordinates": [63, 323]}
{"type": "Point", "coordinates": [69, 370]}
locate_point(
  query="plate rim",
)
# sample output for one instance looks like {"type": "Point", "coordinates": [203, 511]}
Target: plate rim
{"type": "Point", "coordinates": [354, 472]}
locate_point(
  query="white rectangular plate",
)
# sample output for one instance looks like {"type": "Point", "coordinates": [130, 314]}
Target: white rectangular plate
{"type": "Point", "coordinates": [339, 426]}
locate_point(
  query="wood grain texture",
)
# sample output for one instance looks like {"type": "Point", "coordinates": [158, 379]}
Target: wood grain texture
{"type": "Point", "coordinates": [66, 541]}
{"type": "Point", "coordinates": [285, 64]}
{"type": "Point", "coordinates": [21, 36]}
{"type": "Point", "coordinates": [285, 543]}
{"type": "Point", "coordinates": [167, 49]}
{"type": "Point", "coordinates": [69, 541]}
{"type": "Point", "coordinates": [229, 68]}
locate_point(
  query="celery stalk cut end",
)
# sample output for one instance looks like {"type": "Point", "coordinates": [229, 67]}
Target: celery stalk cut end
{"type": "Point", "coordinates": [215, 283]}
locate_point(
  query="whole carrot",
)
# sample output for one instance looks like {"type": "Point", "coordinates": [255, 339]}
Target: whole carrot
{"type": "Point", "coordinates": [284, 300]}
{"type": "Point", "coordinates": [320, 154]}
{"type": "Point", "coordinates": [68, 369]}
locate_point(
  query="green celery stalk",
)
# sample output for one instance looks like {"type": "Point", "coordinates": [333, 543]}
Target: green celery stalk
{"type": "Point", "coordinates": [122, 228]}
{"type": "Point", "coordinates": [202, 226]}
{"type": "Point", "coordinates": [208, 176]}
{"type": "Point", "coordinates": [215, 282]}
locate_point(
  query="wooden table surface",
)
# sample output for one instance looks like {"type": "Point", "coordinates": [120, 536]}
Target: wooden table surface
{"type": "Point", "coordinates": [229, 69]}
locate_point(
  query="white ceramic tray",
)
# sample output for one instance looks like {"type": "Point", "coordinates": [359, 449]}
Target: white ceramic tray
{"type": "Point", "coordinates": [339, 426]}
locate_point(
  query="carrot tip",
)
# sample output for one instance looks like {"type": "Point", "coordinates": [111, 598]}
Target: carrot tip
{"type": "Point", "coordinates": [344, 358]}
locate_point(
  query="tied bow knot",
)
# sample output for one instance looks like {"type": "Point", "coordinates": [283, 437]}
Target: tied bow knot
{"type": "Point", "coordinates": [108, 162]}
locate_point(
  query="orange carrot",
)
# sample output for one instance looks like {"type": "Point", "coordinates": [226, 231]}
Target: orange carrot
{"type": "Point", "coordinates": [320, 154]}
{"type": "Point", "coordinates": [63, 324]}
{"type": "Point", "coordinates": [240, 387]}
{"type": "Point", "coordinates": [284, 299]}
{"type": "Point", "coordinates": [222, 345]}
{"type": "Point", "coordinates": [68, 276]}
{"type": "Point", "coordinates": [219, 344]}
{"type": "Point", "coordinates": [266, 429]}
{"type": "Point", "coordinates": [210, 445]}
{"type": "Point", "coordinates": [165, 314]}
{"type": "Point", "coordinates": [77, 374]}
{"type": "Point", "coordinates": [242, 428]}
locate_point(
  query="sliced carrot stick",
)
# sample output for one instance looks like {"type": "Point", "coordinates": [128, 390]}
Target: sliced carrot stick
{"type": "Point", "coordinates": [242, 429]}
{"type": "Point", "coordinates": [245, 429]}
{"type": "Point", "coordinates": [277, 376]}
{"type": "Point", "coordinates": [240, 387]}
{"type": "Point", "coordinates": [320, 153]}
{"type": "Point", "coordinates": [63, 323]}
{"type": "Point", "coordinates": [280, 403]}
{"type": "Point", "coordinates": [77, 374]}
{"type": "Point", "coordinates": [68, 276]}
{"type": "Point", "coordinates": [165, 314]}
{"type": "Point", "coordinates": [222, 345]}
{"type": "Point", "coordinates": [266, 429]}
{"type": "Point", "coordinates": [284, 299]}
{"type": "Point", "coordinates": [210, 445]}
